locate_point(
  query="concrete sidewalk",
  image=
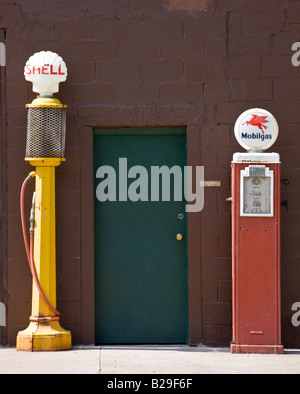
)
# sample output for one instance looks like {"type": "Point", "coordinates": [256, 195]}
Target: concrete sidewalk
{"type": "Point", "coordinates": [152, 360]}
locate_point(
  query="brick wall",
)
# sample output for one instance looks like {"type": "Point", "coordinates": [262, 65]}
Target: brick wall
{"type": "Point", "coordinates": [154, 63]}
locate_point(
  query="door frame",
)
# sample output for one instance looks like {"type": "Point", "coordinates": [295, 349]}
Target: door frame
{"type": "Point", "coordinates": [138, 132]}
{"type": "Point", "coordinates": [88, 239]}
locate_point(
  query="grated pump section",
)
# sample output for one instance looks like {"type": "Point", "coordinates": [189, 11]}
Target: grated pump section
{"type": "Point", "coordinates": [46, 132]}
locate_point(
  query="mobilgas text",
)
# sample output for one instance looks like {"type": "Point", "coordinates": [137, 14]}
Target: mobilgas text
{"type": "Point", "coordinates": [257, 136]}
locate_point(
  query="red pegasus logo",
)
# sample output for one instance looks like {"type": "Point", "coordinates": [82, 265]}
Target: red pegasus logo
{"type": "Point", "coordinates": [258, 122]}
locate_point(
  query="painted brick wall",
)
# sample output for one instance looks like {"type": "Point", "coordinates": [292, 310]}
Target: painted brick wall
{"type": "Point", "coordinates": [144, 63]}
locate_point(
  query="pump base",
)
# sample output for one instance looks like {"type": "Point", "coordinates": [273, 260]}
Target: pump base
{"type": "Point", "coordinates": [258, 349]}
{"type": "Point", "coordinates": [44, 335]}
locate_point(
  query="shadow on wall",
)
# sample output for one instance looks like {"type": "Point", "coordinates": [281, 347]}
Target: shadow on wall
{"type": "Point", "coordinates": [191, 7]}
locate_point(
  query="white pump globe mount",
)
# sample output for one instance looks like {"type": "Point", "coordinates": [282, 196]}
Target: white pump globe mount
{"type": "Point", "coordinates": [46, 70]}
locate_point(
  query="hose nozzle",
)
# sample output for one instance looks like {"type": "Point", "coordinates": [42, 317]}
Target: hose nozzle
{"type": "Point", "coordinates": [32, 216]}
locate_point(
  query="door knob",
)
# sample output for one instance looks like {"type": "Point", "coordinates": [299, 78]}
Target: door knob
{"type": "Point", "coordinates": [179, 237]}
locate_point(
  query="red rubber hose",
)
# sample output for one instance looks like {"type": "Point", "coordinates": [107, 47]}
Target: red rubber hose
{"type": "Point", "coordinates": [23, 216]}
{"type": "Point", "coordinates": [29, 249]}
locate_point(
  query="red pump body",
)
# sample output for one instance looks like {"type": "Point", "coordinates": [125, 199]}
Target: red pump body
{"type": "Point", "coordinates": [256, 254]}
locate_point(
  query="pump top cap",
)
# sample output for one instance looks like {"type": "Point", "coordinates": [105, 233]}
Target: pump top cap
{"type": "Point", "coordinates": [46, 70]}
{"type": "Point", "coordinates": [256, 130]}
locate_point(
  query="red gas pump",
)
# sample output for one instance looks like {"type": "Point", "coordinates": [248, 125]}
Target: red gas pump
{"type": "Point", "coordinates": [256, 236]}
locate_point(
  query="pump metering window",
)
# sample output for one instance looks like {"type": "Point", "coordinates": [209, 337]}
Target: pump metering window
{"type": "Point", "coordinates": [257, 192]}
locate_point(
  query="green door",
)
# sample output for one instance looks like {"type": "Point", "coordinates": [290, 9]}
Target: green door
{"type": "Point", "coordinates": [141, 290]}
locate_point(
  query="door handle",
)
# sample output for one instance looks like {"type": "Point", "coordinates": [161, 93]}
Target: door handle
{"type": "Point", "coordinates": [179, 237]}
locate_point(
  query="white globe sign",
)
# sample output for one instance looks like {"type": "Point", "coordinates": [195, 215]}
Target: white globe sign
{"type": "Point", "coordinates": [46, 70]}
{"type": "Point", "coordinates": [256, 130]}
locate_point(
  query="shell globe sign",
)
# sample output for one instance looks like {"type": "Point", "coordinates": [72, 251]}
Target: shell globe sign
{"type": "Point", "coordinates": [45, 70]}
{"type": "Point", "coordinates": [256, 130]}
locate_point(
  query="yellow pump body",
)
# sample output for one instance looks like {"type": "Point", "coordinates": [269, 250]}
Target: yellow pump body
{"type": "Point", "coordinates": [44, 332]}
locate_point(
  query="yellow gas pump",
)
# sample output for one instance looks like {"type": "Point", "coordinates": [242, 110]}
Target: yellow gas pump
{"type": "Point", "coordinates": [45, 148]}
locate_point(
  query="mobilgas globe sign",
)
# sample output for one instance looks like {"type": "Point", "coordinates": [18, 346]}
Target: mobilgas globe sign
{"type": "Point", "coordinates": [256, 130]}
